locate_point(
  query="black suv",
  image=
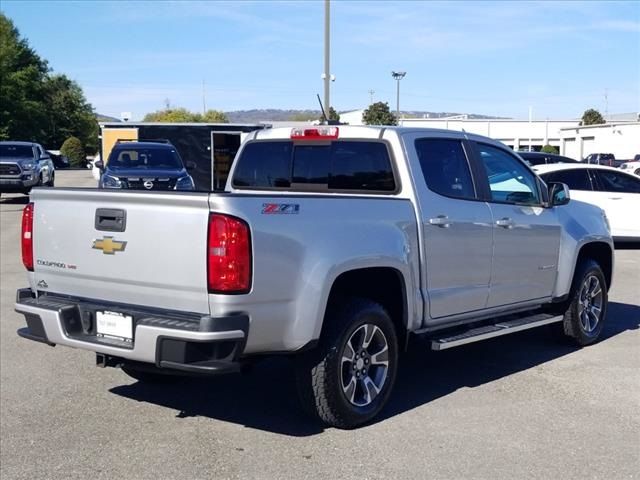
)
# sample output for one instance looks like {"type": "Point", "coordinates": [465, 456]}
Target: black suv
{"type": "Point", "coordinates": [542, 158]}
{"type": "Point", "coordinates": [145, 165]}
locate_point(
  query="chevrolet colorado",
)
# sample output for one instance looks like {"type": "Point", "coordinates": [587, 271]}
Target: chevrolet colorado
{"type": "Point", "coordinates": [332, 244]}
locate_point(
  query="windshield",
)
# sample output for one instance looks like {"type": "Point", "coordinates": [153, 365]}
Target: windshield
{"type": "Point", "coordinates": [16, 151]}
{"type": "Point", "coordinates": [147, 158]}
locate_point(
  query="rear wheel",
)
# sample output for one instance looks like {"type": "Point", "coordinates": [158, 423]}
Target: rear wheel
{"type": "Point", "coordinates": [348, 379]}
{"type": "Point", "coordinates": [52, 180]}
{"type": "Point", "coordinates": [585, 315]}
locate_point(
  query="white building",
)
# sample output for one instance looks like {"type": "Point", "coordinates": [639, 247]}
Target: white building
{"type": "Point", "coordinates": [621, 139]}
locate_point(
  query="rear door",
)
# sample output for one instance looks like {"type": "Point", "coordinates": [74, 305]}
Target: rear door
{"type": "Point", "coordinates": [618, 194]}
{"type": "Point", "coordinates": [456, 226]}
{"type": "Point", "coordinates": [146, 249]}
{"type": "Point", "coordinates": [526, 234]}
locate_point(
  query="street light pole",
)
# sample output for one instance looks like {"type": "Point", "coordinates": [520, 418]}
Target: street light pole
{"type": "Point", "coordinates": [327, 49]}
{"type": "Point", "coordinates": [397, 76]}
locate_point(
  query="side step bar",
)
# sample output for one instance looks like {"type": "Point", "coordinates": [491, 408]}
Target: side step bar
{"type": "Point", "coordinates": [489, 331]}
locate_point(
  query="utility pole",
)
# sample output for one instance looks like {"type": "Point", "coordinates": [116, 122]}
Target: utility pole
{"type": "Point", "coordinates": [397, 76]}
{"type": "Point", "coordinates": [371, 92]}
{"type": "Point", "coordinates": [327, 57]}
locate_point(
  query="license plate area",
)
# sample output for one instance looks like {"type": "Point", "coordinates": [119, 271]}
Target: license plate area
{"type": "Point", "coordinates": [114, 325]}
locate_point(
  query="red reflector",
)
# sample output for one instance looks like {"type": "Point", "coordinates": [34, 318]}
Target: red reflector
{"type": "Point", "coordinates": [27, 237]}
{"type": "Point", "coordinates": [315, 133]}
{"type": "Point", "coordinates": [228, 255]}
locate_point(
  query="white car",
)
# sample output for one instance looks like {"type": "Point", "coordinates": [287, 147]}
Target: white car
{"type": "Point", "coordinates": [631, 167]}
{"type": "Point", "coordinates": [615, 191]}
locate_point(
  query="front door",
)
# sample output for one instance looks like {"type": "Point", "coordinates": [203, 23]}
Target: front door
{"type": "Point", "coordinates": [526, 234]}
{"type": "Point", "coordinates": [456, 227]}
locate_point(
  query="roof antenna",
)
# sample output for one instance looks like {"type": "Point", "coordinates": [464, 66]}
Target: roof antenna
{"type": "Point", "coordinates": [324, 115]}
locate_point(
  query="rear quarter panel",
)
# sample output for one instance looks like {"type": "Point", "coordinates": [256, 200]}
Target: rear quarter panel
{"type": "Point", "coordinates": [297, 257]}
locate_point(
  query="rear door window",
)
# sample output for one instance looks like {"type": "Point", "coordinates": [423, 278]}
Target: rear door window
{"type": "Point", "coordinates": [445, 168]}
{"type": "Point", "coordinates": [576, 179]}
{"type": "Point", "coordinates": [336, 166]}
{"type": "Point", "coordinates": [610, 181]}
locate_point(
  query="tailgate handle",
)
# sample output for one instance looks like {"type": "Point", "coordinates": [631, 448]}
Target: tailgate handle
{"type": "Point", "coordinates": [111, 219]}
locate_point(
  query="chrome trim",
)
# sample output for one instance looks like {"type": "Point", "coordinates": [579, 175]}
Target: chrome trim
{"type": "Point", "coordinates": [505, 329]}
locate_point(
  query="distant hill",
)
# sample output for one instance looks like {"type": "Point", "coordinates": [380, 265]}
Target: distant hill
{"type": "Point", "coordinates": [106, 118]}
{"type": "Point", "coordinates": [277, 115]}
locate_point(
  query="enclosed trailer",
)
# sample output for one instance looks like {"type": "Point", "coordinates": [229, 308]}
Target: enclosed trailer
{"type": "Point", "coordinates": [211, 146]}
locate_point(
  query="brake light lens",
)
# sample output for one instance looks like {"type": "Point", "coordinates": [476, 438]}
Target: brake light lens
{"type": "Point", "coordinates": [27, 237]}
{"type": "Point", "coordinates": [228, 255]}
{"type": "Point", "coordinates": [315, 133]}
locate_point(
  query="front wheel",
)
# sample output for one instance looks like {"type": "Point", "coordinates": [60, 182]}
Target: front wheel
{"type": "Point", "coordinates": [348, 379]}
{"type": "Point", "coordinates": [52, 180]}
{"type": "Point", "coordinates": [584, 318]}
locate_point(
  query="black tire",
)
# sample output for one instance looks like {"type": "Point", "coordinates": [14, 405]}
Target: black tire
{"type": "Point", "coordinates": [322, 374]}
{"type": "Point", "coordinates": [52, 180]}
{"type": "Point", "coordinates": [581, 329]}
{"type": "Point", "coordinates": [149, 374]}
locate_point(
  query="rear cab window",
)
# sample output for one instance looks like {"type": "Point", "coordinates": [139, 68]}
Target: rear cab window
{"type": "Point", "coordinates": [338, 166]}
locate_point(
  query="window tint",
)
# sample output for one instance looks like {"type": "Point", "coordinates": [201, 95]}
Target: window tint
{"type": "Point", "coordinates": [576, 179]}
{"type": "Point", "coordinates": [509, 180]}
{"type": "Point", "coordinates": [16, 151]}
{"type": "Point", "coordinates": [445, 167]}
{"type": "Point", "coordinates": [264, 165]}
{"type": "Point", "coordinates": [361, 166]}
{"type": "Point", "coordinates": [340, 165]}
{"type": "Point", "coordinates": [144, 158]}
{"type": "Point", "coordinates": [609, 181]}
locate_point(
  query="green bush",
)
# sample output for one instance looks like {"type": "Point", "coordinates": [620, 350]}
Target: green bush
{"type": "Point", "coordinates": [549, 149]}
{"type": "Point", "coordinates": [73, 150]}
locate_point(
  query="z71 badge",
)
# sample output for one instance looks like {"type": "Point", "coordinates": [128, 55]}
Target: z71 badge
{"type": "Point", "coordinates": [280, 208]}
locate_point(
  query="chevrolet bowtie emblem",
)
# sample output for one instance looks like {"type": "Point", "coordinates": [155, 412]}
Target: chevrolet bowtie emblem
{"type": "Point", "coordinates": [108, 245]}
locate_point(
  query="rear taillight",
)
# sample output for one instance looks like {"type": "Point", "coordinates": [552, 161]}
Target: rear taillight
{"type": "Point", "coordinates": [27, 237]}
{"type": "Point", "coordinates": [228, 255]}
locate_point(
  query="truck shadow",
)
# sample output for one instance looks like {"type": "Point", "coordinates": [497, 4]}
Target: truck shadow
{"type": "Point", "coordinates": [266, 398]}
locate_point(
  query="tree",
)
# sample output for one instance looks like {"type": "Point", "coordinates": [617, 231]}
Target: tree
{"type": "Point", "coordinates": [72, 149]}
{"type": "Point", "coordinates": [549, 149]}
{"type": "Point", "coordinates": [379, 114]}
{"type": "Point", "coordinates": [333, 115]}
{"type": "Point", "coordinates": [215, 116]}
{"type": "Point", "coordinates": [69, 114]}
{"type": "Point", "coordinates": [22, 75]}
{"type": "Point", "coordinates": [592, 117]}
{"type": "Point", "coordinates": [35, 104]}
{"type": "Point", "coordinates": [182, 115]}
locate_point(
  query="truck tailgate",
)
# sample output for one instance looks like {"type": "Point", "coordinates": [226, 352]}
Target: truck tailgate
{"type": "Point", "coordinates": [157, 259]}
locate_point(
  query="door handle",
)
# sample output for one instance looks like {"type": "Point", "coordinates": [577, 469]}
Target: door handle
{"type": "Point", "coordinates": [441, 221]}
{"type": "Point", "coordinates": [615, 198]}
{"type": "Point", "coordinates": [505, 222]}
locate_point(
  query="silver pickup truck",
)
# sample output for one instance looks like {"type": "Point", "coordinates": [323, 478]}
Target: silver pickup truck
{"type": "Point", "coordinates": [333, 244]}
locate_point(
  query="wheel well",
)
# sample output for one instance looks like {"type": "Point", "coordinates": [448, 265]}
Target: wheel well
{"type": "Point", "coordinates": [601, 253]}
{"type": "Point", "coordinates": [380, 284]}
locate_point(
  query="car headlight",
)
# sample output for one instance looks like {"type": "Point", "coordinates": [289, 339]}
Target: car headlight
{"type": "Point", "coordinates": [185, 183]}
{"type": "Point", "coordinates": [28, 165]}
{"type": "Point", "coordinates": [107, 181]}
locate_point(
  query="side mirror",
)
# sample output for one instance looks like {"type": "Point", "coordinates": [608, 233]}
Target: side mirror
{"type": "Point", "coordinates": [191, 165]}
{"type": "Point", "coordinates": [558, 194]}
{"type": "Point", "coordinates": [99, 164]}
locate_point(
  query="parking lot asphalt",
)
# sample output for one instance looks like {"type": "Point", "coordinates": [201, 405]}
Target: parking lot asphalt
{"type": "Point", "coordinates": [521, 406]}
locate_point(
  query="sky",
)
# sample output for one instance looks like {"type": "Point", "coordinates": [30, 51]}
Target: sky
{"type": "Point", "coordinates": [492, 58]}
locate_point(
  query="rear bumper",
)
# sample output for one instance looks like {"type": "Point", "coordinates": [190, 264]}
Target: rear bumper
{"type": "Point", "coordinates": [169, 340]}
